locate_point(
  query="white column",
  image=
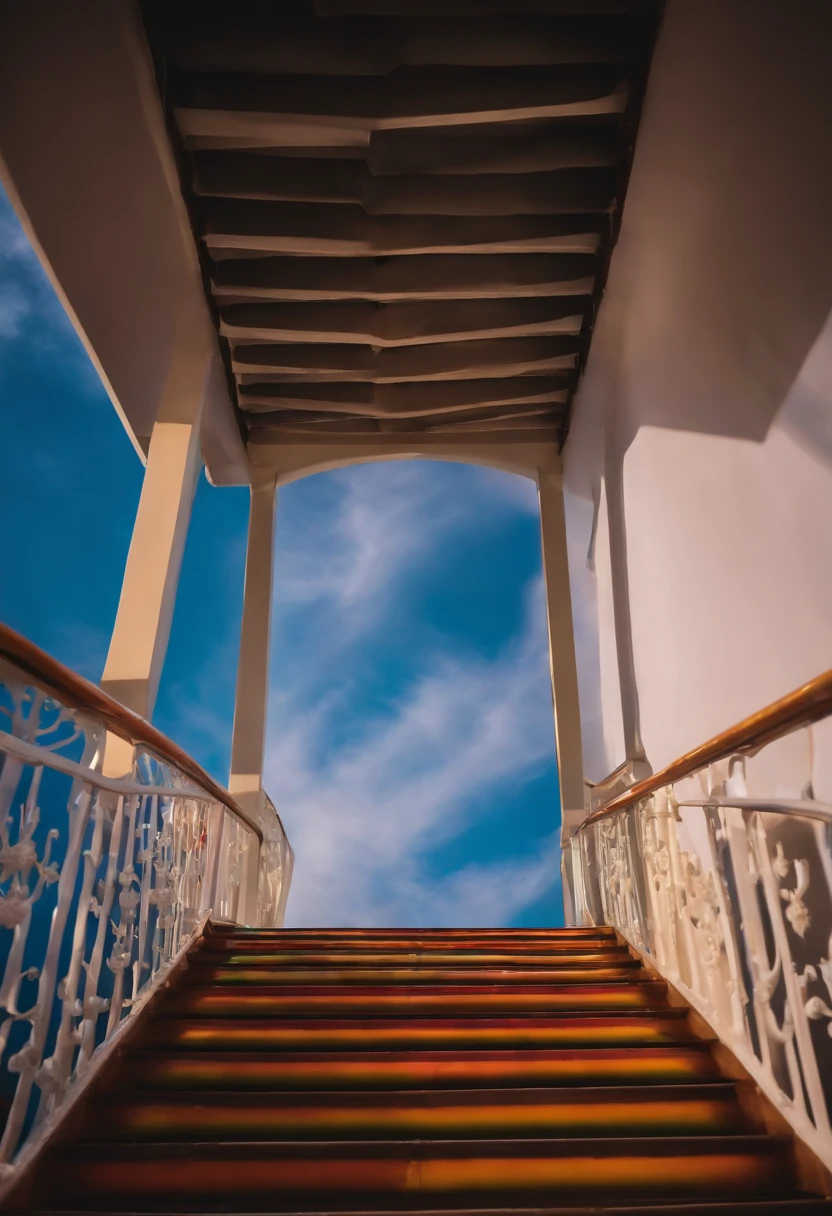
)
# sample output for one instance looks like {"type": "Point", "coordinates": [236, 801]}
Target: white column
{"type": "Point", "coordinates": [562, 650]}
{"type": "Point", "coordinates": [248, 743]}
{"type": "Point", "coordinates": [151, 576]}
{"type": "Point", "coordinates": [249, 738]}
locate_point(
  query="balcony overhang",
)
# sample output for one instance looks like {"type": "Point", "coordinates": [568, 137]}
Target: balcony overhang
{"type": "Point", "coordinates": [391, 222]}
{"type": "Point", "coordinates": [85, 158]}
{"type": "Point", "coordinates": [404, 212]}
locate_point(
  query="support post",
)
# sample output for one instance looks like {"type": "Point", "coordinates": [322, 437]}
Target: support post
{"type": "Point", "coordinates": [248, 743]}
{"type": "Point", "coordinates": [151, 577]}
{"type": "Point", "coordinates": [562, 651]}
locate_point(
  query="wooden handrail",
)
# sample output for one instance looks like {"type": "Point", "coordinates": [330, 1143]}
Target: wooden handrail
{"type": "Point", "coordinates": [75, 692]}
{"type": "Point", "coordinates": [806, 704]}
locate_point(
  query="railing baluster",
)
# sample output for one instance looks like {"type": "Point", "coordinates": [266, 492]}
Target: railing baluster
{"type": "Point", "coordinates": [147, 856]}
{"type": "Point", "coordinates": [725, 910]}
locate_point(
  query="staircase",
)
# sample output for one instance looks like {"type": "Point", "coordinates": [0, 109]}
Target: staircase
{"type": "Point", "coordinates": [441, 1070]}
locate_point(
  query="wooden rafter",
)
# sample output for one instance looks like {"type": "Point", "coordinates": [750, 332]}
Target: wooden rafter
{"type": "Point", "coordinates": [405, 208]}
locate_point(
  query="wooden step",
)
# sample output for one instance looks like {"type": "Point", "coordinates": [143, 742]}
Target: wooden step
{"type": "Point", "coordinates": [217, 956]}
{"type": "Point", "coordinates": [504, 1113]}
{"type": "Point", "coordinates": [344, 1001]}
{"type": "Point", "coordinates": [793, 1206]}
{"type": "Point", "coordinates": [301, 1175]}
{"type": "Point", "coordinates": [423, 949]}
{"type": "Point", "coordinates": [667, 1026]}
{"type": "Point", "coordinates": [272, 1071]}
{"type": "Point", "coordinates": [433, 1074]}
{"type": "Point", "coordinates": [263, 975]}
{"type": "Point", "coordinates": [420, 937]}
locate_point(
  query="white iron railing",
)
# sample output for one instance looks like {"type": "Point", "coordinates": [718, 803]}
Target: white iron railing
{"type": "Point", "coordinates": [103, 882]}
{"type": "Point", "coordinates": [728, 895]}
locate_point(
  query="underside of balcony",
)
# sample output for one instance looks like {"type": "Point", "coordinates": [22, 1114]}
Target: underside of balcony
{"type": "Point", "coordinates": [404, 210]}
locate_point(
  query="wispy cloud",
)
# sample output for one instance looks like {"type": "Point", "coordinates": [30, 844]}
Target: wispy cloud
{"type": "Point", "coordinates": [20, 273]}
{"type": "Point", "coordinates": [30, 311]}
{"type": "Point", "coordinates": [364, 817]}
{"type": "Point", "coordinates": [379, 524]}
{"type": "Point", "coordinates": [351, 546]}
{"type": "Point", "coordinates": [367, 808]}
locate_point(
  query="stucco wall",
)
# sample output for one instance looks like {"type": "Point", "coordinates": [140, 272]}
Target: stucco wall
{"type": "Point", "coordinates": [703, 425]}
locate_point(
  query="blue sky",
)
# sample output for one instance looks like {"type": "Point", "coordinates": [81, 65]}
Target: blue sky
{"type": "Point", "coordinates": [410, 740]}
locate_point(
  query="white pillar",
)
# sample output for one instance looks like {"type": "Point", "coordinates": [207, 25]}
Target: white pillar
{"type": "Point", "coordinates": [249, 739]}
{"type": "Point", "coordinates": [562, 650]}
{"type": "Point", "coordinates": [151, 576]}
{"type": "Point", "coordinates": [248, 743]}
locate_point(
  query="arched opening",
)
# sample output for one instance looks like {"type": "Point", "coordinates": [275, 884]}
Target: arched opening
{"type": "Point", "coordinates": [410, 746]}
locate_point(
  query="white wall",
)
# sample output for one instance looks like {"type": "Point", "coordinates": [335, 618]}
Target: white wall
{"type": "Point", "coordinates": [704, 419]}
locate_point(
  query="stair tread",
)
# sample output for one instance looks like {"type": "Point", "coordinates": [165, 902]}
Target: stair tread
{"type": "Point", "coordinates": [681, 1166]}
{"type": "Point", "coordinates": [408, 1070]}
{"type": "Point", "coordinates": [390, 978]}
{"type": "Point", "coordinates": [573, 954]}
{"type": "Point", "coordinates": [460, 1073]}
{"type": "Point", "coordinates": [808, 1206]}
{"type": "Point", "coordinates": [218, 929]}
{"type": "Point", "coordinates": [387, 979]}
{"type": "Point", "coordinates": [508, 1113]}
{"type": "Point", "coordinates": [562, 1094]}
{"type": "Point", "coordinates": [653, 1146]}
{"type": "Point", "coordinates": [699, 1046]}
{"type": "Point", "coordinates": [626, 1027]}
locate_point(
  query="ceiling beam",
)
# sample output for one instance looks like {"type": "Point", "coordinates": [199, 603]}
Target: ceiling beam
{"type": "Point", "coordinates": [315, 421]}
{"type": "Point", "coordinates": [536, 148]}
{"type": "Point", "coordinates": [406, 400]}
{"type": "Point", "coordinates": [240, 39]}
{"type": "Point", "coordinates": [303, 109]}
{"type": "Point", "coordinates": [431, 277]}
{"type": "Point", "coordinates": [320, 431]}
{"type": "Point", "coordinates": [439, 362]}
{"type": "Point", "coordinates": [247, 175]}
{"type": "Point", "coordinates": [345, 230]}
{"type": "Point", "coordinates": [476, 8]}
{"type": "Point", "coordinates": [402, 324]}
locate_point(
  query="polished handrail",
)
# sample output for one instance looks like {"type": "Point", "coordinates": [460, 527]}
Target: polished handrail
{"type": "Point", "coordinates": [76, 692]}
{"type": "Point", "coordinates": [801, 707]}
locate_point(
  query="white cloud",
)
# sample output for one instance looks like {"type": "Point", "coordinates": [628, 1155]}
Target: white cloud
{"type": "Point", "coordinates": [347, 550]}
{"type": "Point", "coordinates": [30, 311]}
{"type": "Point", "coordinates": [20, 275]}
{"type": "Point", "coordinates": [350, 546]}
{"type": "Point", "coordinates": [364, 817]}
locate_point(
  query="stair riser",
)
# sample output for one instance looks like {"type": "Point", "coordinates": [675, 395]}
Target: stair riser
{"type": "Point", "coordinates": [211, 1034]}
{"type": "Point", "coordinates": [661, 1066]}
{"type": "Point", "coordinates": [375, 959]}
{"type": "Point", "coordinates": [386, 977]}
{"type": "Point", "coordinates": [554, 1179]}
{"type": "Point", "coordinates": [386, 1073]}
{"type": "Point", "coordinates": [341, 1002]}
{"type": "Point", "coordinates": [387, 945]}
{"type": "Point", "coordinates": [177, 1122]}
{"type": "Point", "coordinates": [422, 938]}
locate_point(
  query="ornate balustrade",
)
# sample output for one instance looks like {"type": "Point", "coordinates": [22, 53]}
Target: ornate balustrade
{"type": "Point", "coordinates": [728, 894]}
{"type": "Point", "coordinates": [103, 882]}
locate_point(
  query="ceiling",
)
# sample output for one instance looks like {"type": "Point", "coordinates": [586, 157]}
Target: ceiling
{"type": "Point", "coordinates": [405, 209]}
